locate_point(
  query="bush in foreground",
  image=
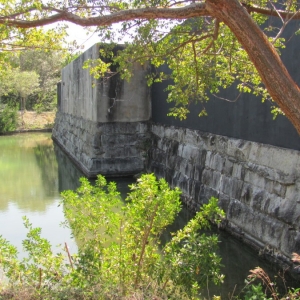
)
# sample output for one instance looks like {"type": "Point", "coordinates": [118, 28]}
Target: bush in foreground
{"type": "Point", "coordinates": [119, 254]}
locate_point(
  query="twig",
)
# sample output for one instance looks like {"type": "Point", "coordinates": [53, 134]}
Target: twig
{"type": "Point", "coordinates": [69, 256]}
{"type": "Point", "coordinates": [40, 278]}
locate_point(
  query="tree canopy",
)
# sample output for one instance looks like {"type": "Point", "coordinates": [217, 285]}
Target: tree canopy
{"type": "Point", "coordinates": [208, 45]}
{"type": "Point", "coordinates": [31, 75]}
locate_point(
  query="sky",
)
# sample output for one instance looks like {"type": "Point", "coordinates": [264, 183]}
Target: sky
{"type": "Point", "coordinates": [82, 37]}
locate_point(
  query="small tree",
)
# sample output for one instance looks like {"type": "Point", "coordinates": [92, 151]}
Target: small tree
{"type": "Point", "coordinates": [25, 83]}
{"type": "Point", "coordinates": [47, 65]}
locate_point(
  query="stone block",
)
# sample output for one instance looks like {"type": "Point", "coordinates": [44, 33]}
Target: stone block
{"type": "Point", "coordinates": [207, 176]}
{"type": "Point", "coordinates": [224, 202]}
{"type": "Point", "coordinates": [227, 167]}
{"type": "Point", "coordinates": [221, 144]}
{"type": "Point", "coordinates": [238, 149]}
{"type": "Point", "coordinates": [122, 166]}
{"type": "Point", "coordinates": [272, 174]}
{"type": "Point", "coordinates": [97, 141]}
{"type": "Point", "coordinates": [182, 167]}
{"type": "Point", "coordinates": [190, 152]}
{"type": "Point", "coordinates": [258, 199]}
{"type": "Point", "coordinates": [270, 231]}
{"type": "Point", "coordinates": [246, 193]}
{"type": "Point", "coordinates": [254, 179]}
{"type": "Point", "coordinates": [237, 170]}
{"type": "Point", "coordinates": [196, 189]}
{"type": "Point", "coordinates": [190, 137]}
{"type": "Point", "coordinates": [173, 148]}
{"type": "Point", "coordinates": [279, 189]}
{"type": "Point", "coordinates": [290, 240]}
{"type": "Point", "coordinates": [216, 180]}
{"type": "Point", "coordinates": [231, 187]}
{"type": "Point", "coordinates": [236, 211]}
{"type": "Point", "coordinates": [215, 161]}
{"type": "Point", "coordinates": [265, 230]}
{"type": "Point", "coordinates": [157, 130]}
{"type": "Point", "coordinates": [168, 131]}
{"type": "Point", "coordinates": [162, 144]}
{"type": "Point", "coordinates": [189, 170]}
{"type": "Point", "coordinates": [198, 172]}
{"type": "Point", "coordinates": [285, 160]}
{"type": "Point", "coordinates": [121, 151]}
{"type": "Point", "coordinates": [180, 149]}
{"type": "Point", "coordinates": [293, 193]}
{"type": "Point", "coordinates": [287, 210]}
{"type": "Point", "coordinates": [205, 194]}
{"type": "Point", "coordinates": [169, 175]}
{"type": "Point", "coordinates": [171, 161]}
{"type": "Point", "coordinates": [111, 141]}
{"type": "Point", "coordinates": [183, 183]}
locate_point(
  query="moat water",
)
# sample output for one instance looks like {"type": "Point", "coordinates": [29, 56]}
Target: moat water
{"type": "Point", "coordinates": [33, 173]}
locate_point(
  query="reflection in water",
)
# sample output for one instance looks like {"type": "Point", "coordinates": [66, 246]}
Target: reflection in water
{"type": "Point", "coordinates": [21, 178]}
{"type": "Point", "coordinates": [29, 186]}
{"type": "Point", "coordinates": [47, 163]}
{"type": "Point", "coordinates": [68, 175]}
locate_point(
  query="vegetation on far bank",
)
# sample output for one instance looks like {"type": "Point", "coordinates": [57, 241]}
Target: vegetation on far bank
{"type": "Point", "coordinates": [28, 88]}
{"type": "Point", "coordinates": [32, 120]}
{"type": "Point", "coordinates": [12, 120]}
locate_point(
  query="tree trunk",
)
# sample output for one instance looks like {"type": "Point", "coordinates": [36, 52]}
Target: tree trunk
{"type": "Point", "coordinates": [22, 104]}
{"type": "Point", "coordinates": [282, 88]}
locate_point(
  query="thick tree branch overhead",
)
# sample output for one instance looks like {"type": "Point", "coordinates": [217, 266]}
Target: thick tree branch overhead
{"type": "Point", "coordinates": [195, 9]}
{"type": "Point", "coordinates": [149, 13]}
{"type": "Point", "coordinates": [209, 44]}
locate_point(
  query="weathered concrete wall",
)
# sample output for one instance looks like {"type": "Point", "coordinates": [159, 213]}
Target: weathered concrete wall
{"type": "Point", "coordinates": [101, 123]}
{"type": "Point", "coordinates": [104, 100]}
{"type": "Point", "coordinates": [257, 184]}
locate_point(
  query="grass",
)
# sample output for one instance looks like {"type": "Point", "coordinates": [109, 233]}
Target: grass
{"type": "Point", "coordinates": [31, 120]}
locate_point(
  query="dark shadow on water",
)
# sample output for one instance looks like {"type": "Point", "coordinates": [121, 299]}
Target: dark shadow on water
{"type": "Point", "coordinates": [237, 260]}
{"type": "Point", "coordinates": [46, 160]}
{"type": "Point", "coordinates": [68, 173]}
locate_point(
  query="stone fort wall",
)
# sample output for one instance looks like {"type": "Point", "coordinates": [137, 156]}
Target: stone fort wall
{"type": "Point", "coordinates": [237, 153]}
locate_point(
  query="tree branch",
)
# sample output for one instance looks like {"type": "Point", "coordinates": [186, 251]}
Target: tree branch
{"type": "Point", "coordinates": [189, 11]}
{"type": "Point", "coordinates": [284, 14]}
{"type": "Point", "coordinates": [179, 13]}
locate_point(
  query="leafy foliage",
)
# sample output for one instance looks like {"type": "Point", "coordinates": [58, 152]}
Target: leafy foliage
{"type": "Point", "coordinates": [119, 251]}
{"type": "Point", "coordinates": [8, 119]}
{"type": "Point", "coordinates": [33, 73]}
{"type": "Point", "coordinates": [48, 66]}
{"type": "Point", "coordinates": [202, 52]}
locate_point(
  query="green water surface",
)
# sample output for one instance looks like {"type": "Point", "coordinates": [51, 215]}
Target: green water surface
{"type": "Point", "coordinates": [29, 186]}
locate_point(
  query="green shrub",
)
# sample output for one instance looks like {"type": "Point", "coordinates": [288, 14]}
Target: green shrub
{"type": "Point", "coordinates": [119, 256]}
{"type": "Point", "coordinates": [8, 118]}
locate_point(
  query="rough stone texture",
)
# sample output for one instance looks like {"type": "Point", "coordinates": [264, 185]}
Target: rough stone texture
{"type": "Point", "coordinates": [106, 148]}
{"type": "Point", "coordinates": [257, 184]}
